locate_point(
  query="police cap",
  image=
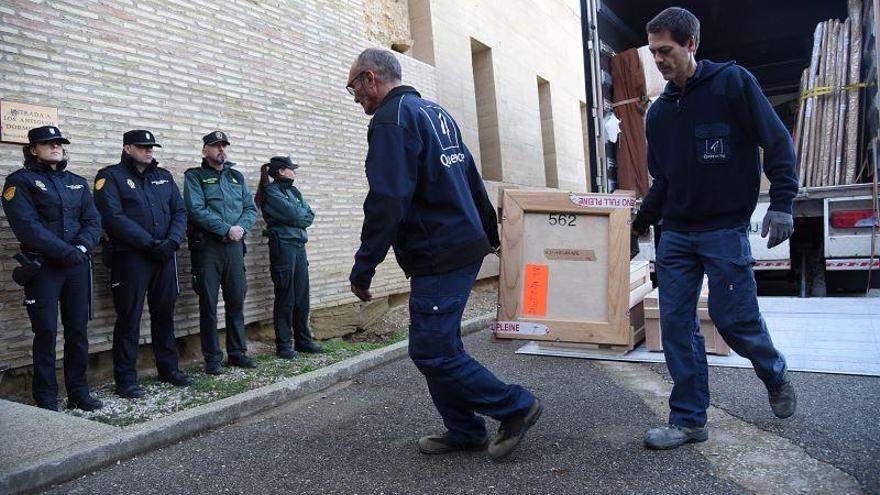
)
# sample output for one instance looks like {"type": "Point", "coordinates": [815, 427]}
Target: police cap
{"type": "Point", "coordinates": [46, 133]}
{"type": "Point", "coordinates": [276, 163]}
{"type": "Point", "coordinates": [215, 137]}
{"type": "Point", "coordinates": [140, 137]}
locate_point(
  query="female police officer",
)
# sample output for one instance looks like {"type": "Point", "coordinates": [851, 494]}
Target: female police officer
{"type": "Point", "coordinates": [287, 216]}
{"type": "Point", "coordinates": [52, 214]}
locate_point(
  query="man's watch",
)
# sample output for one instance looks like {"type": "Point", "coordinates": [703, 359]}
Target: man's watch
{"type": "Point", "coordinates": [82, 248]}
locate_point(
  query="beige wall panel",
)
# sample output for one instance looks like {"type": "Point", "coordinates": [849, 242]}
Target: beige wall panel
{"type": "Point", "coordinates": [527, 39]}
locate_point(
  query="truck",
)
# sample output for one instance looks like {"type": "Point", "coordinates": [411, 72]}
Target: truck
{"type": "Point", "coordinates": [835, 247]}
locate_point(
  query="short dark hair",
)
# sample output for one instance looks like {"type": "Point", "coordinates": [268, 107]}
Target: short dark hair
{"type": "Point", "coordinates": [679, 22]}
{"type": "Point", "coordinates": [381, 62]}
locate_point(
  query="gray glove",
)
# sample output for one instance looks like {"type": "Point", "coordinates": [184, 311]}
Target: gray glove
{"type": "Point", "coordinates": [780, 225]}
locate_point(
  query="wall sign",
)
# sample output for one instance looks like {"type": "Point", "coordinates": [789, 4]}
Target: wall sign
{"type": "Point", "coordinates": [16, 119]}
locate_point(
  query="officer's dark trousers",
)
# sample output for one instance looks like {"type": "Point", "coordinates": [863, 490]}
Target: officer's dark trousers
{"type": "Point", "coordinates": [289, 268]}
{"type": "Point", "coordinates": [133, 275]}
{"type": "Point", "coordinates": [221, 264]}
{"type": "Point", "coordinates": [459, 385]}
{"type": "Point", "coordinates": [70, 287]}
{"type": "Point", "coordinates": [726, 257]}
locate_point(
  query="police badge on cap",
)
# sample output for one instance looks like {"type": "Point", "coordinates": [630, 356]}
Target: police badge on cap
{"type": "Point", "coordinates": [215, 137]}
{"type": "Point", "coordinates": [140, 137]}
{"type": "Point", "coordinates": [46, 133]}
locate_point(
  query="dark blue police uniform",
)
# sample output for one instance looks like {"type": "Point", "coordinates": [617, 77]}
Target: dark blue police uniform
{"type": "Point", "coordinates": [145, 219]}
{"type": "Point", "coordinates": [52, 214]}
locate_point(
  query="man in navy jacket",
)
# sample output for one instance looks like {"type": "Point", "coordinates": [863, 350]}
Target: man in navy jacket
{"type": "Point", "coordinates": [427, 199]}
{"type": "Point", "coordinates": [703, 138]}
{"type": "Point", "coordinates": [143, 214]}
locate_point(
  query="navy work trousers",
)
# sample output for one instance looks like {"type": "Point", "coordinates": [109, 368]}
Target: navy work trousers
{"type": "Point", "coordinates": [460, 386]}
{"type": "Point", "coordinates": [133, 275]}
{"type": "Point", "coordinates": [69, 286]}
{"type": "Point", "coordinates": [289, 267]}
{"type": "Point", "coordinates": [726, 257]}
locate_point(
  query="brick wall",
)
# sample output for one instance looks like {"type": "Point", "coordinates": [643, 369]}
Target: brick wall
{"type": "Point", "coordinates": [270, 73]}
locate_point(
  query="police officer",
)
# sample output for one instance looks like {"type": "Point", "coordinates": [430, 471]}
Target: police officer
{"type": "Point", "coordinates": [427, 199]}
{"type": "Point", "coordinates": [703, 138]}
{"type": "Point", "coordinates": [220, 211]}
{"type": "Point", "coordinates": [52, 214]}
{"type": "Point", "coordinates": [287, 217]}
{"type": "Point", "coordinates": [143, 214]}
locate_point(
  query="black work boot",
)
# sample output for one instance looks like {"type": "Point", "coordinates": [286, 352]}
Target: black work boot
{"type": "Point", "coordinates": [130, 391]}
{"type": "Point", "coordinates": [50, 405]}
{"type": "Point", "coordinates": [213, 369]}
{"type": "Point", "coordinates": [286, 353]}
{"type": "Point", "coordinates": [783, 398]}
{"type": "Point", "coordinates": [309, 348]}
{"type": "Point", "coordinates": [513, 430]}
{"type": "Point", "coordinates": [85, 402]}
{"type": "Point", "coordinates": [242, 361]}
{"type": "Point", "coordinates": [441, 444]}
{"type": "Point", "coordinates": [176, 378]}
{"type": "Point", "coordinates": [672, 436]}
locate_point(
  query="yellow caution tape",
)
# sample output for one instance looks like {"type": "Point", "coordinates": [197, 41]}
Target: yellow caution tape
{"type": "Point", "coordinates": [827, 90]}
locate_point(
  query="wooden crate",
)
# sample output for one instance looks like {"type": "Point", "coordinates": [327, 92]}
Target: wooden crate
{"type": "Point", "coordinates": [565, 272]}
{"type": "Point", "coordinates": [714, 343]}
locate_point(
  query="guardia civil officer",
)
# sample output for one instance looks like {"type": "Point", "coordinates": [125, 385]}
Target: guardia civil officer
{"type": "Point", "coordinates": [287, 217]}
{"type": "Point", "coordinates": [703, 138]}
{"type": "Point", "coordinates": [143, 214]}
{"type": "Point", "coordinates": [427, 199]}
{"type": "Point", "coordinates": [220, 211]}
{"type": "Point", "coordinates": [52, 215]}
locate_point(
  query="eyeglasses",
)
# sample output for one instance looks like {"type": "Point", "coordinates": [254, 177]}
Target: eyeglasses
{"type": "Point", "coordinates": [350, 86]}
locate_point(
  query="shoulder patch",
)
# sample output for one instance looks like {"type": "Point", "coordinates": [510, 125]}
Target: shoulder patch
{"type": "Point", "coordinates": [100, 183]}
{"type": "Point", "coordinates": [9, 193]}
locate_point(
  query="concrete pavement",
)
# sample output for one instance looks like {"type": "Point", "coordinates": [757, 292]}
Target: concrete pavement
{"type": "Point", "coordinates": [359, 437]}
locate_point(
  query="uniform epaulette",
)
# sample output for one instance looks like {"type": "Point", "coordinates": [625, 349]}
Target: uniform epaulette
{"type": "Point", "coordinates": [16, 171]}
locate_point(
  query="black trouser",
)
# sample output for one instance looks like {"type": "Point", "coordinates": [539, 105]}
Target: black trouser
{"type": "Point", "coordinates": [133, 275]}
{"type": "Point", "coordinates": [70, 287]}
{"type": "Point", "coordinates": [220, 264]}
{"type": "Point", "coordinates": [289, 267]}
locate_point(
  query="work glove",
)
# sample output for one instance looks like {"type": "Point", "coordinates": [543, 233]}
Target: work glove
{"type": "Point", "coordinates": [640, 225]}
{"type": "Point", "coordinates": [74, 258]}
{"type": "Point", "coordinates": [779, 225]}
{"type": "Point", "coordinates": [163, 250]}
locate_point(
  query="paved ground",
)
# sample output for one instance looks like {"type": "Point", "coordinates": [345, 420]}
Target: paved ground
{"type": "Point", "coordinates": [359, 438]}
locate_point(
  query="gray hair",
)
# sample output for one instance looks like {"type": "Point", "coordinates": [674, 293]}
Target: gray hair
{"type": "Point", "coordinates": [380, 61]}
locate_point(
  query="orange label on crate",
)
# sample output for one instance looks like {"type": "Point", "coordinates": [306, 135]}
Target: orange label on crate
{"type": "Point", "coordinates": [535, 290]}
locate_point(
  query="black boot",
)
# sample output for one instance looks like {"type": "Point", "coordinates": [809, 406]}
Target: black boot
{"type": "Point", "coordinates": [309, 348]}
{"type": "Point", "coordinates": [84, 401]}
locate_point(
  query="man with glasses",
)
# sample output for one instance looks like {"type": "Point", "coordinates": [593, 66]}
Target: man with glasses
{"type": "Point", "coordinates": [220, 211]}
{"type": "Point", "coordinates": [143, 214]}
{"type": "Point", "coordinates": [426, 198]}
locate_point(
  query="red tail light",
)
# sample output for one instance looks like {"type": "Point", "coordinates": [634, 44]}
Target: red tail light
{"type": "Point", "coordinates": [853, 219]}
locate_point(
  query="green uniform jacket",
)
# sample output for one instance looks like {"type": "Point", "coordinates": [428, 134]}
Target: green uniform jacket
{"type": "Point", "coordinates": [215, 201]}
{"type": "Point", "coordinates": [286, 213]}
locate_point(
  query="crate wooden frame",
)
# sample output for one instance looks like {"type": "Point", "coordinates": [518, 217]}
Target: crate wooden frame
{"type": "Point", "coordinates": [615, 331]}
